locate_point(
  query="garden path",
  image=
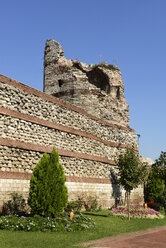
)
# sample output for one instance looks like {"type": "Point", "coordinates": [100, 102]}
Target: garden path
{"type": "Point", "coordinates": [154, 237]}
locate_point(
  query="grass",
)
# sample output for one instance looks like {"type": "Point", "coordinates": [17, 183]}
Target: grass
{"type": "Point", "coordinates": [107, 66]}
{"type": "Point", "coordinates": [106, 225]}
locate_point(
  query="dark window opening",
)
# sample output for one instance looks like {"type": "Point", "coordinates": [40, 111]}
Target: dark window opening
{"type": "Point", "coordinates": [60, 82]}
{"type": "Point", "coordinates": [118, 93]}
{"type": "Point", "coordinates": [99, 79]}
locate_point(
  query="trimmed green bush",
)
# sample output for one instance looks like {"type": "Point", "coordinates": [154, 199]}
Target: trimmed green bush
{"type": "Point", "coordinates": [48, 193]}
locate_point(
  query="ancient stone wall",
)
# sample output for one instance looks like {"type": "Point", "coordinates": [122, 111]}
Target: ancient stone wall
{"type": "Point", "coordinates": [32, 122]}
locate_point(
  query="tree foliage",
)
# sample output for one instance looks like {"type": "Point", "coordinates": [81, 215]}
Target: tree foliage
{"type": "Point", "coordinates": [131, 172]}
{"type": "Point", "coordinates": [160, 169]}
{"type": "Point", "coordinates": [48, 193]}
{"type": "Point", "coordinates": [160, 165]}
{"type": "Point", "coordinates": [154, 190]}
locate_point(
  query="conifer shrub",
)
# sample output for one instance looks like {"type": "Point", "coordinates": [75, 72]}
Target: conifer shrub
{"type": "Point", "coordinates": [48, 193]}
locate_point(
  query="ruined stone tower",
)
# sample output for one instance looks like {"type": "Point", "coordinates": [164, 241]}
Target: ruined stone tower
{"type": "Point", "coordinates": [98, 89]}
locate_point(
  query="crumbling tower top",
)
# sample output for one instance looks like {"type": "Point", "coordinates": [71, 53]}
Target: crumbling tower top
{"type": "Point", "coordinates": [98, 89]}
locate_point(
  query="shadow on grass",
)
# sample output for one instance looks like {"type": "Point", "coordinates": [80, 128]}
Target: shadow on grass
{"type": "Point", "coordinates": [97, 214]}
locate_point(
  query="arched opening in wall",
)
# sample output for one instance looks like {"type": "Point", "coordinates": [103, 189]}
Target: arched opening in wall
{"type": "Point", "coordinates": [98, 78]}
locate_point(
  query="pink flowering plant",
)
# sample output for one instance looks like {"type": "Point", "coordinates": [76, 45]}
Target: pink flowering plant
{"type": "Point", "coordinates": [137, 211]}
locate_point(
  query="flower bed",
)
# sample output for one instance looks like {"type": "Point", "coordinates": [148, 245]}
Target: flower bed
{"type": "Point", "coordinates": [38, 223]}
{"type": "Point", "coordinates": [137, 211]}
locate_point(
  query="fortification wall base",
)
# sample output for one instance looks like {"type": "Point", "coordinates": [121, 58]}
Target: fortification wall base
{"type": "Point", "coordinates": [104, 192]}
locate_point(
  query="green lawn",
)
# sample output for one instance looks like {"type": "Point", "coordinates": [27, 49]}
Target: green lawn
{"type": "Point", "coordinates": [105, 226]}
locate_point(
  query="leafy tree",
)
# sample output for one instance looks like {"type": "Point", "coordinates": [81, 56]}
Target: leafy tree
{"type": "Point", "coordinates": [131, 172]}
{"type": "Point", "coordinates": [160, 169]}
{"type": "Point", "coordinates": [154, 190]}
{"type": "Point", "coordinates": [48, 193]}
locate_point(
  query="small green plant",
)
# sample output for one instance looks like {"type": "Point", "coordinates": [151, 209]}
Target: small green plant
{"type": "Point", "coordinates": [119, 126]}
{"type": "Point", "coordinates": [91, 203]}
{"type": "Point", "coordinates": [107, 66]}
{"type": "Point", "coordinates": [75, 206]}
{"type": "Point", "coordinates": [15, 206]}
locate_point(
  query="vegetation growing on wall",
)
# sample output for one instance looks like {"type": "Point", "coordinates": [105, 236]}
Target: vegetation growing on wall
{"type": "Point", "coordinates": [107, 66]}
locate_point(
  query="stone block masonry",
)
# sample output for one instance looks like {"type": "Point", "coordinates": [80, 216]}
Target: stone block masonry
{"type": "Point", "coordinates": [32, 122]}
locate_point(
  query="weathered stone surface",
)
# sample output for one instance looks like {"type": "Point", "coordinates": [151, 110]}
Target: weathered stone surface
{"type": "Point", "coordinates": [29, 132]}
{"type": "Point", "coordinates": [16, 99]}
{"type": "Point", "coordinates": [19, 160]}
{"type": "Point", "coordinates": [97, 89]}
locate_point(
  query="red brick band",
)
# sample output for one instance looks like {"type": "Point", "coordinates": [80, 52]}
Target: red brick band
{"type": "Point", "coordinates": [36, 120]}
{"type": "Point", "coordinates": [55, 100]}
{"type": "Point", "coordinates": [27, 176]}
{"type": "Point", "coordinates": [15, 175]}
{"type": "Point", "coordinates": [62, 152]}
{"type": "Point", "coordinates": [88, 180]}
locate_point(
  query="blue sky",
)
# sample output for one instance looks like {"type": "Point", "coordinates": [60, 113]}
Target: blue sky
{"type": "Point", "coordinates": [128, 33]}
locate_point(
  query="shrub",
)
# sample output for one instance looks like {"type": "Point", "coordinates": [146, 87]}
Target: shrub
{"type": "Point", "coordinates": [75, 206]}
{"type": "Point", "coordinates": [44, 224]}
{"type": "Point", "coordinates": [160, 169]}
{"type": "Point", "coordinates": [48, 193]}
{"type": "Point", "coordinates": [85, 202]}
{"type": "Point", "coordinates": [90, 203]}
{"type": "Point", "coordinates": [155, 190]}
{"type": "Point", "coordinates": [16, 205]}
